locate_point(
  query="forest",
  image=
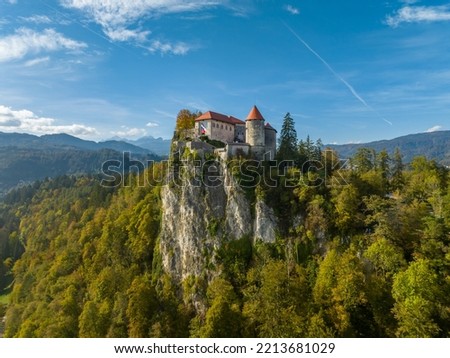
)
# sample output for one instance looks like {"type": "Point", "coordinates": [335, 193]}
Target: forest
{"type": "Point", "coordinates": [362, 250]}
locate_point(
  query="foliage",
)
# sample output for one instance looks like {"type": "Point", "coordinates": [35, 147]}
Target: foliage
{"type": "Point", "coordinates": [361, 251]}
{"type": "Point", "coordinates": [215, 143]}
{"type": "Point", "coordinates": [287, 148]}
{"type": "Point", "coordinates": [185, 122]}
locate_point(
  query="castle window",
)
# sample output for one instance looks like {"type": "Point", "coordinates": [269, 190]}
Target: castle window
{"type": "Point", "coordinates": [221, 126]}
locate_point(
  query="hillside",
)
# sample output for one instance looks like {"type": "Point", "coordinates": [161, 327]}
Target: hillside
{"type": "Point", "coordinates": [222, 253]}
{"type": "Point", "coordinates": [435, 146]}
{"type": "Point", "coordinates": [25, 158]}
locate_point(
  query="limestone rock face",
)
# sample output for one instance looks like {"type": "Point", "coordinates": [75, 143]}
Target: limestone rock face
{"type": "Point", "coordinates": [197, 219]}
{"type": "Point", "coordinates": [265, 223]}
{"type": "Point", "coordinates": [200, 215]}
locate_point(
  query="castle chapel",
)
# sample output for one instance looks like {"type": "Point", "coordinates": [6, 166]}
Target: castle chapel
{"type": "Point", "coordinates": [253, 137]}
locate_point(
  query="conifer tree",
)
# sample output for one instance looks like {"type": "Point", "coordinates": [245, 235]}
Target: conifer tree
{"type": "Point", "coordinates": [287, 149]}
{"type": "Point", "coordinates": [397, 170]}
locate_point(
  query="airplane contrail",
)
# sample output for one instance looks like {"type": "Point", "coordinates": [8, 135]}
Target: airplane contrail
{"type": "Point", "coordinates": [339, 77]}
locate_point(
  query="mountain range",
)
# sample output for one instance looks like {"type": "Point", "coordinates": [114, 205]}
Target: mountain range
{"type": "Point", "coordinates": [159, 146]}
{"type": "Point", "coordinates": [25, 158]}
{"type": "Point", "coordinates": [435, 145]}
{"type": "Point", "coordinates": [67, 141]}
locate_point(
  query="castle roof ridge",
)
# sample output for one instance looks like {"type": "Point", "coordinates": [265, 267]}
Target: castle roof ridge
{"type": "Point", "coordinates": [219, 117]}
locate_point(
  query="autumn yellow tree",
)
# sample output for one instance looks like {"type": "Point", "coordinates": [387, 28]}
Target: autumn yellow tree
{"type": "Point", "coordinates": [186, 122]}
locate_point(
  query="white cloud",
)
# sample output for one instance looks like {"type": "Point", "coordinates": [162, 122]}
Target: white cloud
{"type": "Point", "coordinates": [117, 16]}
{"type": "Point", "coordinates": [123, 34]}
{"type": "Point", "coordinates": [37, 19]}
{"type": "Point", "coordinates": [26, 41]}
{"type": "Point", "coordinates": [122, 12]}
{"type": "Point", "coordinates": [179, 48]}
{"type": "Point", "coordinates": [25, 121]}
{"type": "Point", "coordinates": [417, 14]}
{"type": "Point", "coordinates": [12, 1]}
{"type": "Point", "coordinates": [130, 132]}
{"type": "Point", "coordinates": [152, 125]}
{"type": "Point", "coordinates": [37, 61]}
{"type": "Point", "coordinates": [434, 129]}
{"type": "Point", "coordinates": [293, 10]}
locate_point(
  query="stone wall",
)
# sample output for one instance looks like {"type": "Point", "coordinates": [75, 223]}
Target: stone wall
{"type": "Point", "coordinates": [270, 136]}
{"type": "Point", "coordinates": [255, 132]}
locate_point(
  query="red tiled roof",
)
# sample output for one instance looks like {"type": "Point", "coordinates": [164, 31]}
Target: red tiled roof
{"type": "Point", "coordinates": [268, 126]}
{"type": "Point", "coordinates": [219, 117]}
{"type": "Point", "coordinates": [237, 120]}
{"type": "Point", "coordinates": [255, 114]}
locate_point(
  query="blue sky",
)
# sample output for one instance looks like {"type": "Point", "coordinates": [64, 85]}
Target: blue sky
{"type": "Point", "coordinates": [347, 71]}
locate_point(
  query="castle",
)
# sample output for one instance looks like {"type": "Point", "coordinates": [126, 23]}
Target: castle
{"type": "Point", "coordinates": [254, 137]}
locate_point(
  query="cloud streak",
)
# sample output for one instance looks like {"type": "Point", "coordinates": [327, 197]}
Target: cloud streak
{"type": "Point", "coordinates": [419, 14]}
{"type": "Point", "coordinates": [26, 41]}
{"type": "Point", "coordinates": [37, 19]}
{"type": "Point", "coordinates": [25, 121]}
{"type": "Point", "coordinates": [37, 61]}
{"type": "Point", "coordinates": [339, 77]}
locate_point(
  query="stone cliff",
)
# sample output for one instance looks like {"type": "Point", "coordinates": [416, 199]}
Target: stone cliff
{"type": "Point", "coordinates": [198, 218]}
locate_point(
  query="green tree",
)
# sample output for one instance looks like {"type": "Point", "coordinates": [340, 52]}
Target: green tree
{"type": "Point", "coordinates": [340, 291]}
{"type": "Point", "coordinates": [383, 168]}
{"type": "Point", "coordinates": [223, 318]}
{"type": "Point", "coordinates": [276, 301]}
{"type": "Point", "coordinates": [386, 259]}
{"type": "Point", "coordinates": [363, 160]}
{"type": "Point", "coordinates": [287, 143]}
{"type": "Point", "coordinates": [397, 180]}
{"type": "Point", "coordinates": [142, 305]}
{"type": "Point", "coordinates": [347, 202]}
{"type": "Point", "coordinates": [416, 292]}
{"type": "Point", "coordinates": [93, 320]}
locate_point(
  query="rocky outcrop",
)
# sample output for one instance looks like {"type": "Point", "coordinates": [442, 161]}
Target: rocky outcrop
{"type": "Point", "coordinates": [197, 218]}
{"type": "Point", "coordinates": [265, 223]}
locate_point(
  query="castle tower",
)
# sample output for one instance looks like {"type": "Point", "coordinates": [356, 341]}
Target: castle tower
{"type": "Point", "coordinates": [255, 136]}
{"type": "Point", "coordinates": [270, 139]}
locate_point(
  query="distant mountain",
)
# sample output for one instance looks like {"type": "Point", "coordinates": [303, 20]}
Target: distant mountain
{"type": "Point", "coordinates": [25, 158]}
{"type": "Point", "coordinates": [435, 145]}
{"type": "Point", "coordinates": [158, 146]}
{"type": "Point", "coordinates": [65, 140]}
